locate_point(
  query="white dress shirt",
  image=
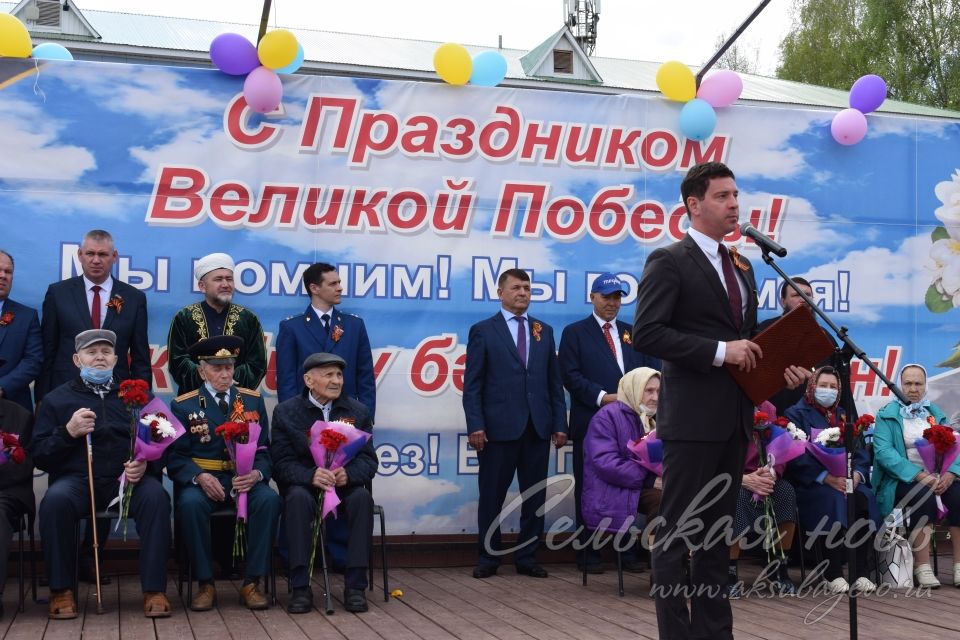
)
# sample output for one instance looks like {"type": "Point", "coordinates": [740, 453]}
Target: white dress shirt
{"type": "Point", "coordinates": [711, 249]}
{"type": "Point", "coordinates": [323, 406]}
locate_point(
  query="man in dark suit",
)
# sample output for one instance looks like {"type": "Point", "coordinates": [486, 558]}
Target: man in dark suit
{"type": "Point", "coordinates": [323, 328]}
{"type": "Point", "coordinates": [696, 309]}
{"type": "Point", "coordinates": [93, 300]}
{"type": "Point", "coordinates": [594, 354]}
{"type": "Point", "coordinates": [513, 402]}
{"type": "Point", "coordinates": [20, 345]}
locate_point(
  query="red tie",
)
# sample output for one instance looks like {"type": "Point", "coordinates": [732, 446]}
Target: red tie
{"type": "Point", "coordinates": [606, 334]}
{"type": "Point", "coordinates": [733, 287]}
{"type": "Point", "coordinates": [95, 310]}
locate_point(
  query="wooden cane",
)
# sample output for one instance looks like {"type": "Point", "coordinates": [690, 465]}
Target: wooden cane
{"type": "Point", "coordinates": [93, 523]}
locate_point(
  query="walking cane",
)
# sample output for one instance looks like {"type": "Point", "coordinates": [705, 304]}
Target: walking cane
{"type": "Point", "coordinates": [93, 522]}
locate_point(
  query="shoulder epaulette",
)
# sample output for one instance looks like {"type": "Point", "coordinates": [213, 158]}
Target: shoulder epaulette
{"type": "Point", "coordinates": [249, 392]}
{"type": "Point", "coordinates": [187, 395]}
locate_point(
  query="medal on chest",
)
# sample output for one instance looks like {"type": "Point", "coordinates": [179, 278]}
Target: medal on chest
{"type": "Point", "coordinates": [198, 426]}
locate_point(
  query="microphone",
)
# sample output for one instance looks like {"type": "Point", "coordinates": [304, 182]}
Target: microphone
{"type": "Point", "coordinates": [765, 243]}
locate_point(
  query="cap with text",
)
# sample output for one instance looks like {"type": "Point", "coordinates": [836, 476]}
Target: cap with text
{"type": "Point", "coordinates": [607, 283]}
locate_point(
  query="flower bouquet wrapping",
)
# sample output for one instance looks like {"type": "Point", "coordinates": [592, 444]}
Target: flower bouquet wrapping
{"type": "Point", "coordinates": [10, 449]}
{"type": "Point", "coordinates": [938, 449]}
{"type": "Point", "coordinates": [241, 438]}
{"type": "Point", "coordinates": [332, 445]}
{"type": "Point", "coordinates": [648, 451]}
{"type": "Point", "coordinates": [773, 445]}
{"type": "Point", "coordinates": [827, 446]}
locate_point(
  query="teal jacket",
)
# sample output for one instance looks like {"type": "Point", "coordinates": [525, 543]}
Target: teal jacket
{"type": "Point", "coordinates": [890, 464]}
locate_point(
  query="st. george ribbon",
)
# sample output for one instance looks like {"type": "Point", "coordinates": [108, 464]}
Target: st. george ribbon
{"type": "Point", "coordinates": [762, 240]}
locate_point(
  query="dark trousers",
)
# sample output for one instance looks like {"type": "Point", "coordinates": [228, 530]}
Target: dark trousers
{"type": "Point", "coordinates": [68, 499]}
{"type": "Point", "coordinates": [10, 511]}
{"type": "Point", "coordinates": [924, 503]}
{"type": "Point", "coordinates": [688, 467]}
{"type": "Point", "coordinates": [587, 554]}
{"type": "Point", "coordinates": [299, 510]}
{"type": "Point", "coordinates": [193, 518]}
{"type": "Point", "coordinates": [527, 458]}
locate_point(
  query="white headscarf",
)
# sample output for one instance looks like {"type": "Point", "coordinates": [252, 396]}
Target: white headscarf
{"type": "Point", "coordinates": [630, 393]}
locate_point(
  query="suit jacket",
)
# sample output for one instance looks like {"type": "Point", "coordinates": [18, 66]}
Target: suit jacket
{"type": "Point", "coordinates": [682, 313]}
{"type": "Point", "coordinates": [65, 314]}
{"type": "Point", "coordinates": [500, 395]}
{"type": "Point", "coordinates": [302, 335]}
{"type": "Point", "coordinates": [16, 480]}
{"type": "Point", "coordinates": [587, 367]}
{"type": "Point", "coordinates": [22, 348]}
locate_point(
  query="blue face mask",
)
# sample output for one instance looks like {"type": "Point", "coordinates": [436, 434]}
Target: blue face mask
{"type": "Point", "coordinates": [825, 397]}
{"type": "Point", "coordinates": [96, 376]}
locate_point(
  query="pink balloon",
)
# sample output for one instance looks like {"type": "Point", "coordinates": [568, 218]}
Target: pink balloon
{"type": "Point", "coordinates": [721, 88]}
{"type": "Point", "coordinates": [263, 90]}
{"type": "Point", "coordinates": [848, 127]}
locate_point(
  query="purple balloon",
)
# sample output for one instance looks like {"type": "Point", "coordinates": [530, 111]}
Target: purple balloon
{"type": "Point", "coordinates": [849, 126]}
{"type": "Point", "coordinates": [868, 93]}
{"type": "Point", "coordinates": [721, 88]}
{"type": "Point", "coordinates": [234, 54]}
{"type": "Point", "coordinates": [263, 90]}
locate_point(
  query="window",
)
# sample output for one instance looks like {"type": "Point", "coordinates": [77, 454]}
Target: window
{"type": "Point", "coordinates": [562, 61]}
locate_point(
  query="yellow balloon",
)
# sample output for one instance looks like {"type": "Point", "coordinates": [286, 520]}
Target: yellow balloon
{"type": "Point", "coordinates": [676, 81]}
{"type": "Point", "coordinates": [453, 63]}
{"type": "Point", "coordinates": [277, 49]}
{"type": "Point", "coordinates": [14, 38]}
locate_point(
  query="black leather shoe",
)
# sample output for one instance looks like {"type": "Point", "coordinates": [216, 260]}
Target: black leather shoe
{"type": "Point", "coordinates": [594, 568]}
{"type": "Point", "coordinates": [301, 600]}
{"type": "Point", "coordinates": [533, 570]}
{"type": "Point", "coordinates": [482, 571]}
{"type": "Point", "coordinates": [354, 600]}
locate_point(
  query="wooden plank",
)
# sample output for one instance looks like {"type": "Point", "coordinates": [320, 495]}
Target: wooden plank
{"type": "Point", "coordinates": [104, 626]}
{"type": "Point", "coordinates": [69, 629]}
{"type": "Point", "coordinates": [429, 601]}
{"type": "Point", "coordinates": [133, 624]}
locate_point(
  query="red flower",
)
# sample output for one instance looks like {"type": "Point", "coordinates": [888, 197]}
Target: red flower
{"type": "Point", "coordinates": [781, 422]}
{"type": "Point", "coordinates": [331, 439]}
{"type": "Point", "coordinates": [942, 437]}
{"type": "Point", "coordinates": [10, 440]}
{"type": "Point", "coordinates": [6, 318]}
{"type": "Point", "coordinates": [760, 418]}
{"type": "Point", "coordinates": [134, 393]}
{"type": "Point", "coordinates": [238, 431]}
{"type": "Point", "coordinates": [18, 455]}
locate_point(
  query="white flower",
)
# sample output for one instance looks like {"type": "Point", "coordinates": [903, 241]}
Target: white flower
{"type": "Point", "coordinates": [795, 432]}
{"type": "Point", "coordinates": [163, 426]}
{"type": "Point", "coordinates": [828, 437]}
{"type": "Point", "coordinates": [949, 214]}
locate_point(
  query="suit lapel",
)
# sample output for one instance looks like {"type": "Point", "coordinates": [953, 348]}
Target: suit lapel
{"type": "Point", "coordinates": [111, 312]}
{"type": "Point", "coordinates": [336, 320]}
{"type": "Point", "coordinates": [7, 308]}
{"type": "Point", "coordinates": [500, 326]}
{"type": "Point", "coordinates": [709, 273]}
{"type": "Point", "coordinates": [80, 302]}
{"type": "Point", "coordinates": [314, 327]}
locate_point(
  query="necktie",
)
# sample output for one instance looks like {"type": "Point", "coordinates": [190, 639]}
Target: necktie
{"type": "Point", "coordinates": [733, 287]}
{"type": "Point", "coordinates": [606, 334]}
{"type": "Point", "coordinates": [222, 403]}
{"type": "Point", "coordinates": [325, 321]}
{"type": "Point", "coordinates": [95, 307]}
{"type": "Point", "coordinates": [521, 340]}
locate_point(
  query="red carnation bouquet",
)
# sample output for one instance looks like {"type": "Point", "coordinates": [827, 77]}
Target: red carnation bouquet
{"type": "Point", "coordinates": [134, 394]}
{"type": "Point", "coordinates": [241, 438]}
{"type": "Point", "coordinates": [11, 449]}
{"type": "Point", "coordinates": [939, 450]}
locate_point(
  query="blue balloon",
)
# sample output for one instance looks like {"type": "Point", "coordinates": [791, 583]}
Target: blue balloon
{"type": "Point", "coordinates": [697, 119]}
{"type": "Point", "coordinates": [489, 69]}
{"type": "Point", "coordinates": [51, 51]}
{"type": "Point", "coordinates": [297, 62]}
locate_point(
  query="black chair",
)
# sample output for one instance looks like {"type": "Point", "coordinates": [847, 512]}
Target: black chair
{"type": "Point", "coordinates": [24, 523]}
{"type": "Point", "coordinates": [640, 523]}
{"type": "Point", "coordinates": [104, 514]}
{"type": "Point", "coordinates": [379, 513]}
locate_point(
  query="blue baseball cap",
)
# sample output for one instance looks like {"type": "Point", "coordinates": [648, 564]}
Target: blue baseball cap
{"type": "Point", "coordinates": [607, 283]}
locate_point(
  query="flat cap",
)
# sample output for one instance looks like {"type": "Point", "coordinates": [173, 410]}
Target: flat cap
{"type": "Point", "coordinates": [206, 264]}
{"type": "Point", "coordinates": [315, 360]}
{"type": "Point", "coordinates": [217, 350]}
{"type": "Point", "coordinates": [91, 336]}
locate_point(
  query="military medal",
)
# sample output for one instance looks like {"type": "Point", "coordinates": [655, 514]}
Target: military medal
{"type": "Point", "coordinates": [198, 425]}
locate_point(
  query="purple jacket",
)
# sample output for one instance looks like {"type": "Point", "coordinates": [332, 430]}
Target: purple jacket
{"type": "Point", "coordinates": [612, 478]}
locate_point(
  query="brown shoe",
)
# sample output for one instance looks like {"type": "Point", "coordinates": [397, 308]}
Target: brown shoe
{"type": "Point", "coordinates": [156, 605]}
{"type": "Point", "coordinates": [62, 606]}
{"type": "Point", "coordinates": [252, 597]}
{"type": "Point", "coordinates": [205, 599]}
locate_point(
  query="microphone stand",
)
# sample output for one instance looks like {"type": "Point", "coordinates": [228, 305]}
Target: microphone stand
{"type": "Point", "coordinates": [843, 357]}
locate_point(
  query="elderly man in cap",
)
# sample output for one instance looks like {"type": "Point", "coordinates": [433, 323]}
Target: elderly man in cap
{"type": "Point", "coordinates": [594, 354]}
{"type": "Point", "coordinates": [205, 476]}
{"type": "Point", "coordinates": [89, 404]}
{"type": "Point", "coordinates": [215, 315]}
{"type": "Point", "coordinates": [300, 478]}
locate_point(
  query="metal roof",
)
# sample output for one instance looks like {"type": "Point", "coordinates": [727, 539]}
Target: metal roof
{"type": "Point", "coordinates": [132, 37]}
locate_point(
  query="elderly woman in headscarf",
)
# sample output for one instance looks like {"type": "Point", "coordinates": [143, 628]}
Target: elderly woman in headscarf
{"type": "Point", "coordinates": [903, 482]}
{"type": "Point", "coordinates": [615, 486]}
{"type": "Point", "coordinates": [821, 497]}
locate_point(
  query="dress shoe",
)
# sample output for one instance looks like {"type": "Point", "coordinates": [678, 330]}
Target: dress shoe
{"type": "Point", "coordinates": [156, 605]}
{"type": "Point", "coordinates": [484, 571]}
{"type": "Point", "coordinates": [354, 600]}
{"type": "Point", "coordinates": [252, 597]}
{"type": "Point", "coordinates": [533, 570]}
{"type": "Point", "coordinates": [62, 606]}
{"type": "Point", "coordinates": [594, 568]}
{"type": "Point", "coordinates": [301, 600]}
{"type": "Point", "coordinates": [205, 598]}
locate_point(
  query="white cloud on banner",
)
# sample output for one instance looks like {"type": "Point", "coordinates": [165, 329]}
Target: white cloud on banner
{"type": "Point", "coordinates": [403, 495]}
{"type": "Point", "coordinates": [33, 150]}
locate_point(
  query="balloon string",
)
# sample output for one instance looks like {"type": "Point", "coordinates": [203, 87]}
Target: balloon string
{"type": "Point", "coordinates": [37, 91]}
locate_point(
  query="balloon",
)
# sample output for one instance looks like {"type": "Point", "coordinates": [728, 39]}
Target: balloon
{"type": "Point", "coordinates": [868, 93]}
{"type": "Point", "coordinates": [277, 49]}
{"type": "Point", "coordinates": [263, 90]}
{"type": "Point", "coordinates": [51, 51]}
{"type": "Point", "coordinates": [849, 126]}
{"type": "Point", "coordinates": [721, 88]}
{"type": "Point", "coordinates": [676, 81]}
{"type": "Point", "coordinates": [297, 62]}
{"type": "Point", "coordinates": [453, 63]}
{"type": "Point", "coordinates": [489, 69]}
{"type": "Point", "coordinates": [698, 119]}
{"type": "Point", "coordinates": [233, 54]}
{"type": "Point", "coordinates": [14, 38]}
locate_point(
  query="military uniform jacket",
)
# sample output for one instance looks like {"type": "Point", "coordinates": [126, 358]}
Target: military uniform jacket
{"type": "Point", "coordinates": [189, 325]}
{"type": "Point", "coordinates": [200, 416]}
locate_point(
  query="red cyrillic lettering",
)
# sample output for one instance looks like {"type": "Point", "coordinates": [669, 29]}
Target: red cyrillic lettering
{"type": "Point", "coordinates": [655, 140]}
{"type": "Point", "coordinates": [365, 141]}
{"type": "Point", "coordinates": [313, 118]}
{"type": "Point", "coordinates": [329, 217]}
{"type": "Point", "coordinates": [572, 151]}
{"type": "Point", "coordinates": [646, 221]}
{"type": "Point", "coordinates": [421, 135]}
{"type": "Point", "coordinates": [464, 137]}
{"type": "Point", "coordinates": [414, 203]}
{"type": "Point", "coordinates": [176, 198]}
{"type": "Point", "coordinates": [506, 208]}
{"type": "Point", "coordinates": [363, 213]}
{"type": "Point", "coordinates": [694, 153]}
{"type": "Point", "coordinates": [603, 205]}
{"type": "Point", "coordinates": [509, 132]}
{"type": "Point", "coordinates": [619, 149]}
{"type": "Point", "coordinates": [550, 142]}
{"type": "Point", "coordinates": [574, 227]}
{"type": "Point", "coordinates": [235, 126]}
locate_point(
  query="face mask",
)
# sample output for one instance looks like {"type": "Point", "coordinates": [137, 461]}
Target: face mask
{"type": "Point", "coordinates": [96, 376]}
{"type": "Point", "coordinates": [825, 397]}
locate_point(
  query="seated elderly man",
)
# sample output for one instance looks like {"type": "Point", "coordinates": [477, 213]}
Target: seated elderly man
{"type": "Point", "coordinates": [300, 478]}
{"type": "Point", "coordinates": [206, 478]}
{"type": "Point", "coordinates": [89, 406]}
